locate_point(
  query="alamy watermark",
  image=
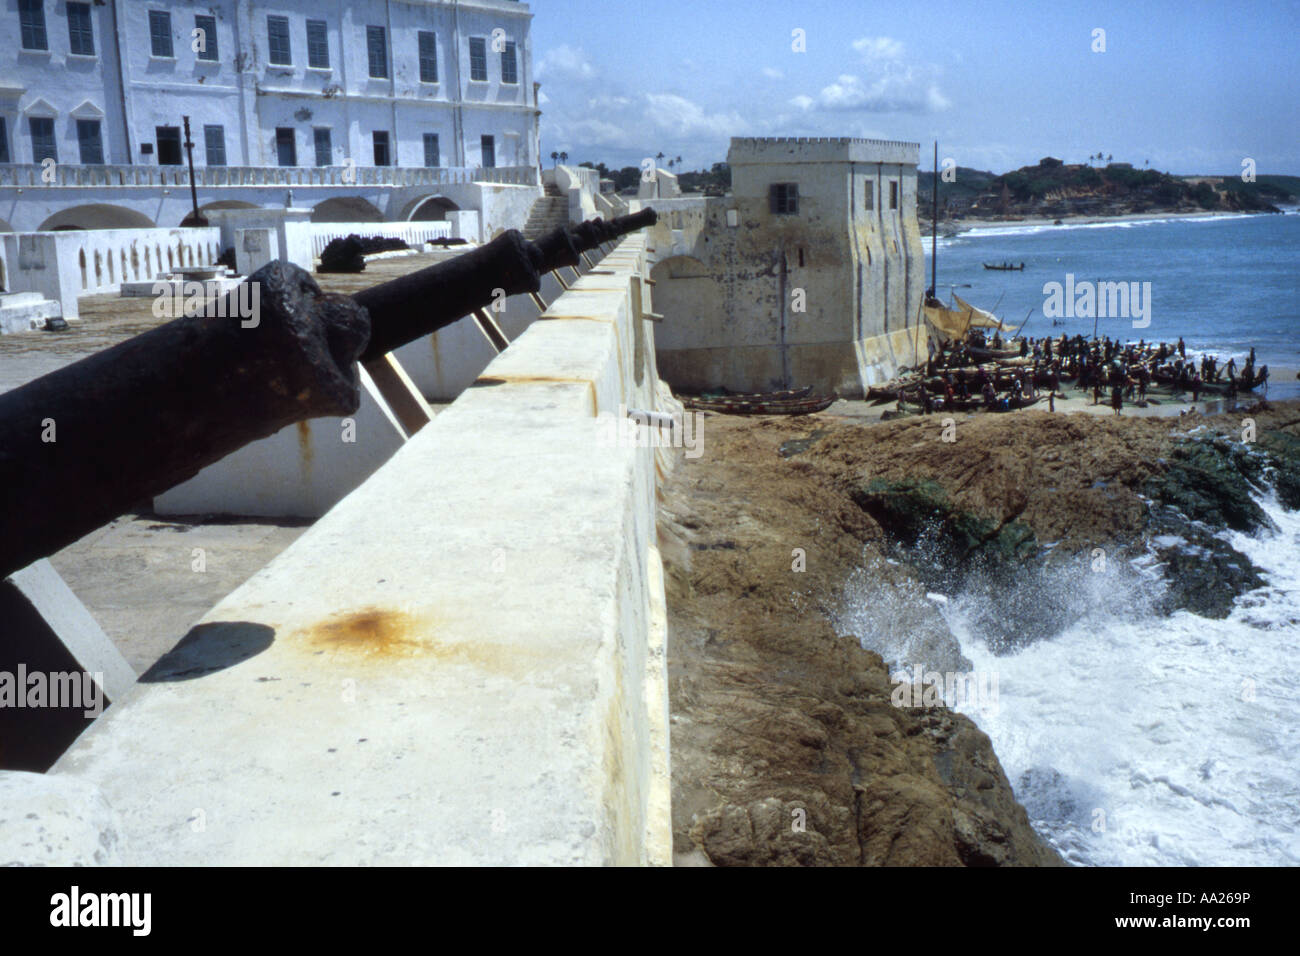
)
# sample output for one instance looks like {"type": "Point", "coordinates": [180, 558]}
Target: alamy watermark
{"type": "Point", "coordinates": [632, 428]}
{"type": "Point", "coordinates": [191, 298]}
{"type": "Point", "coordinates": [973, 690]}
{"type": "Point", "coordinates": [1098, 300]}
{"type": "Point", "coordinates": [58, 689]}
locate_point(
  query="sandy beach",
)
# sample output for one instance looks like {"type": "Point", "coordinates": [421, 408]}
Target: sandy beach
{"type": "Point", "coordinates": [959, 226]}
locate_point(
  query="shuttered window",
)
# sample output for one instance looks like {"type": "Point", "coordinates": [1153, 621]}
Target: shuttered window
{"type": "Point", "coordinates": [31, 23]}
{"type": "Point", "coordinates": [279, 49]}
{"type": "Point", "coordinates": [509, 64]}
{"type": "Point", "coordinates": [784, 199]}
{"type": "Point", "coordinates": [377, 49]}
{"type": "Point", "coordinates": [208, 26]}
{"type": "Point", "coordinates": [478, 59]}
{"type": "Point", "coordinates": [160, 34]}
{"type": "Point", "coordinates": [81, 34]}
{"type": "Point", "coordinates": [318, 47]}
{"type": "Point", "coordinates": [428, 57]}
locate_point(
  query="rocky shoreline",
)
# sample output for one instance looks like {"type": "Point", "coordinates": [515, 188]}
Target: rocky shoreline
{"type": "Point", "coordinates": [792, 543]}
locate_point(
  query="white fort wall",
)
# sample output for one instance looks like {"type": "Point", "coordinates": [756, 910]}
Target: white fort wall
{"type": "Point", "coordinates": [462, 662]}
{"type": "Point", "coordinates": [64, 265]}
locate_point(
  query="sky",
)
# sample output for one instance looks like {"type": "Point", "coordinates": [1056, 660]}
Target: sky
{"type": "Point", "coordinates": [1189, 87]}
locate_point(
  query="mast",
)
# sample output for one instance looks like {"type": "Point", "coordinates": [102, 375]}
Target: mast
{"type": "Point", "coordinates": [934, 228]}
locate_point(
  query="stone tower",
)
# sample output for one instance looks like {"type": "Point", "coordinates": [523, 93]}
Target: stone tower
{"type": "Point", "coordinates": [810, 272]}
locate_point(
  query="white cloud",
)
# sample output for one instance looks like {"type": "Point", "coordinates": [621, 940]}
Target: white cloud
{"type": "Point", "coordinates": [892, 83]}
{"type": "Point", "coordinates": [565, 63]}
{"type": "Point", "coordinates": [772, 74]}
{"type": "Point", "coordinates": [874, 49]}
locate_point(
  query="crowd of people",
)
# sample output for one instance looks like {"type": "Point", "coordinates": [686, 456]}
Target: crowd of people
{"type": "Point", "coordinates": [1011, 376]}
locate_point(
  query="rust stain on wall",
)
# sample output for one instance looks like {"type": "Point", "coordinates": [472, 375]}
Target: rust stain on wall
{"type": "Point", "coordinates": [382, 635]}
{"type": "Point", "coordinates": [305, 449]}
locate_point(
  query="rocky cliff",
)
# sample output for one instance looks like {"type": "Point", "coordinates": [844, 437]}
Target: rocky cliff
{"type": "Point", "coordinates": [787, 747]}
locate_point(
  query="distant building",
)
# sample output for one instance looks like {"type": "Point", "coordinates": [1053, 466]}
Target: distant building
{"type": "Point", "coordinates": [810, 272]}
{"type": "Point", "coordinates": [369, 86]}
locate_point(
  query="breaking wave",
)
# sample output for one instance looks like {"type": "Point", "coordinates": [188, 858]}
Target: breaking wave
{"type": "Point", "coordinates": [1135, 739]}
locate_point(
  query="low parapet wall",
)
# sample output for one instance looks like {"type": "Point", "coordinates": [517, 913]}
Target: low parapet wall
{"type": "Point", "coordinates": [462, 662]}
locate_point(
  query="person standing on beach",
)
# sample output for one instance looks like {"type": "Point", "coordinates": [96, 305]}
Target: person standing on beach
{"type": "Point", "coordinates": [1182, 349]}
{"type": "Point", "coordinates": [1117, 399]}
{"type": "Point", "coordinates": [1196, 387]}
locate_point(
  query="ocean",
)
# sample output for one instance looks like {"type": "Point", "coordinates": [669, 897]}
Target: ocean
{"type": "Point", "coordinates": [1223, 283]}
{"type": "Point", "coordinates": [1132, 738]}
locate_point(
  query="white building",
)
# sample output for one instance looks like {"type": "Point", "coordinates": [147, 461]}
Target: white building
{"type": "Point", "coordinates": [371, 94]}
{"type": "Point", "coordinates": [810, 272]}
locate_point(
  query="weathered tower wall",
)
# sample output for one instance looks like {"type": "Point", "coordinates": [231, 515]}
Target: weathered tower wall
{"type": "Point", "coordinates": [759, 296]}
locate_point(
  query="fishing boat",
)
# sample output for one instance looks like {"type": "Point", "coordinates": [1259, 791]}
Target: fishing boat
{"type": "Point", "coordinates": [771, 403]}
{"type": "Point", "coordinates": [1004, 267]}
{"type": "Point", "coordinates": [786, 394]}
{"type": "Point", "coordinates": [993, 355]}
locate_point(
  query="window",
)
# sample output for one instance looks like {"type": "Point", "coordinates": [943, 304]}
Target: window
{"type": "Point", "coordinates": [428, 57]}
{"type": "Point", "coordinates": [81, 34]}
{"type": "Point", "coordinates": [31, 18]}
{"type": "Point", "coordinates": [869, 203]}
{"type": "Point", "coordinates": [324, 147]}
{"type": "Point", "coordinates": [377, 51]}
{"type": "Point", "coordinates": [488, 146]}
{"type": "Point", "coordinates": [784, 198]}
{"type": "Point", "coordinates": [214, 145]}
{"type": "Point", "coordinates": [279, 51]}
{"type": "Point", "coordinates": [478, 59]}
{"type": "Point", "coordinates": [42, 130]}
{"type": "Point", "coordinates": [893, 194]}
{"type": "Point", "coordinates": [509, 64]}
{"type": "Point", "coordinates": [4, 141]}
{"type": "Point", "coordinates": [286, 150]}
{"type": "Point", "coordinates": [318, 47]}
{"type": "Point", "coordinates": [381, 148]}
{"type": "Point", "coordinates": [431, 157]}
{"type": "Point", "coordinates": [90, 142]}
{"type": "Point", "coordinates": [169, 145]}
{"type": "Point", "coordinates": [207, 27]}
{"type": "Point", "coordinates": [160, 34]}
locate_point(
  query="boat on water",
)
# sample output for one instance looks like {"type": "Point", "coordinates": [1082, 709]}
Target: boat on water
{"type": "Point", "coordinates": [1005, 267]}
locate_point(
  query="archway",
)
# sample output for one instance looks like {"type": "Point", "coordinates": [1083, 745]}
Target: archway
{"type": "Point", "coordinates": [96, 216]}
{"type": "Point", "coordinates": [692, 302]}
{"type": "Point", "coordinates": [346, 209]}
{"type": "Point", "coordinates": [219, 204]}
{"type": "Point", "coordinates": [431, 209]}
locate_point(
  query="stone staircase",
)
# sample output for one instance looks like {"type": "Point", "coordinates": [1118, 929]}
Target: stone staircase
{"type": "Point", "coordinates": [548, 212]}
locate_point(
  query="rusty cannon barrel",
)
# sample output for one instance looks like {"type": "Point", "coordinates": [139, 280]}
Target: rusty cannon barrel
{"type": "Point", "coordinates": [83, 444]}
{"type": "Point", "coordinates": [422, 302]}
{"type": "Point", "coordinates": [88, 442]}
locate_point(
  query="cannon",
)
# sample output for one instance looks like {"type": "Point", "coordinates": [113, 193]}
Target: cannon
{"type": "Point", "coordinates": [88, 442]}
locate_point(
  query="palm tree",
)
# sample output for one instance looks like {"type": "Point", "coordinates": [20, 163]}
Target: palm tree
{"type": "Point", "coordinates": [555, 157]}
{"type": "Point", "coordinates": [564, 157]}
{"type": "Point", "coordinates": [660, 156]}
{"type": "Point", "coordinates": [1109, 157]}
{"type": "Point", "coordinates": [679, 162]}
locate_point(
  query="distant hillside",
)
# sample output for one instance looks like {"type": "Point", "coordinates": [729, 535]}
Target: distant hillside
{"type": "Point", "coordinates": [1055, 189]}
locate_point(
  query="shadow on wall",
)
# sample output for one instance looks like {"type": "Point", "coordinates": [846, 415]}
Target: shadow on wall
{"type": "Point", "coordinates": [209, 648]}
